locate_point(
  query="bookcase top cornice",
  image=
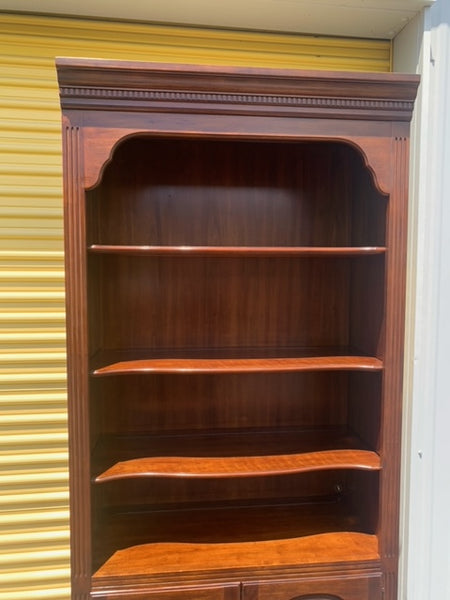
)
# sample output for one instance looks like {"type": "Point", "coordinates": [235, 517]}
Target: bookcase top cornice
{"type": "Point", "coordinates": [137, 86]}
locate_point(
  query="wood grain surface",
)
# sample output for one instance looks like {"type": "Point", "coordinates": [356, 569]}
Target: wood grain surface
{"type": "Point", "coordinates": [242, 365]}
{"type": "Point", "coordinates": [248, 466]}
{"type": "Point", "coordinates": [170, 557]}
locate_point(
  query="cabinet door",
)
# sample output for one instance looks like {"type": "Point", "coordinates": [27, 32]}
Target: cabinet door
{"type": "Point", "coordinates": [223, 592]}
{"type": "Point", "coordinates": [354, 588]}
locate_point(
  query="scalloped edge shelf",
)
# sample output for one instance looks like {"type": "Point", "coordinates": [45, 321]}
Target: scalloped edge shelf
{"type": "Point", "coordinates": [241, 365]}
{"type": "Point", "coordinates": [163, 558]}
{"type": "Point", "coordinates": [241, 466]}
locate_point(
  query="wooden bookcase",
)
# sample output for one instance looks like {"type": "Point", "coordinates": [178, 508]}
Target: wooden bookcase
{"type": "Point", "coordinates": [235, 243]}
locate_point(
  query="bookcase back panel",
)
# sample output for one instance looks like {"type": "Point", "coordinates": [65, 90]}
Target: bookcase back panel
{"type": "Point", "coordinates": [221, 302]}
{"type": "Point", "coordinates": [165, 403]}
{"type": "Point", "coordinates": [142, 405]}
{"type": "Point", "coordinates": [178, 303]}
{"type": "Point", "coordinates": [204, 192]}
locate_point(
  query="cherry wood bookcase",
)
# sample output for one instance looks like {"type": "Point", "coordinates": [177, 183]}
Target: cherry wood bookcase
{"type": "Point", "coordinates": [235, 243]}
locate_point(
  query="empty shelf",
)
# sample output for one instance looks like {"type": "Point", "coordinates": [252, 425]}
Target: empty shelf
{"type": "Point", "coordinates": [143, 250]}
{"type": "Point", "coordinates": [242, 466]}
{"type": "Point", "coordinates": [159, 558]}
{"type": "Point", "coordinates": [241, 365]}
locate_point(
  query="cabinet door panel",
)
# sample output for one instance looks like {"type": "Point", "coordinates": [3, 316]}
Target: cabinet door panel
{"type": "Point", "coordinates": [355, 588]}
{"type": "Point", "coordinates": [226, 592]}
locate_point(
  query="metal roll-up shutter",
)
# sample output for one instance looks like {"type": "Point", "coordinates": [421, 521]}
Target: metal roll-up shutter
{"type": "Point", "coordinates": [34, 534]}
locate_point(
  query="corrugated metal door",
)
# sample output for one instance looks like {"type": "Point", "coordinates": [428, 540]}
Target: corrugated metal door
{"type": "Point", "coordinates": [34, 535]}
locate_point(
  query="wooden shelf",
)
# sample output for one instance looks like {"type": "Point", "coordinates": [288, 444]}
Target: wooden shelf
{"type": "Point", "coordinates": [159, 558]}
{"type": "Point", "coordinates": [263, 251]}
{"type": "Point", "coordinates": [248, 466]}
{"type": "Point", "coordinates": [223, 444]}
{"type": "Point", "coordinates": [241, 365]}
{"type": "Point", "coordinates": [241, 453]}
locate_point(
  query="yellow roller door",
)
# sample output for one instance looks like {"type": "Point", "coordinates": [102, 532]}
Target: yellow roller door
{"type": "Point", "coordinates": [34, 536]}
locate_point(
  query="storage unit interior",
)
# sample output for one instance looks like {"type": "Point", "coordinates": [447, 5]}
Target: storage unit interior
{"type": "Point", "coordinates": [236, 292]}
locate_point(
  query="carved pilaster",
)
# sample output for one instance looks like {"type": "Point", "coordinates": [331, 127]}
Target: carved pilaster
{"type": "Point", "coordinates": [393, 376]}
{"type": "Point", "coordinates": [390, 585]}
{"type": "Point", "coordinates": [77, 363]}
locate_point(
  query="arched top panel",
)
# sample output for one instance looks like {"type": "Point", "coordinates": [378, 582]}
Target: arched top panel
{"type": "Point", "coordinates": [372, 152]}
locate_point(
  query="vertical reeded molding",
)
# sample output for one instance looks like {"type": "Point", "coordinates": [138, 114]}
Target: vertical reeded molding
{"type": "Point", "coordinates": [394, 355]}
{"type": "Point", "coordinates": [77, 376]}
{"type": "Point", "coordinates": [390, 585]}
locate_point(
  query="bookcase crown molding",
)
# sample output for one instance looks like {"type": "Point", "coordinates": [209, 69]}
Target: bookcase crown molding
{"type": "Point", "coordinates": [303, 93]}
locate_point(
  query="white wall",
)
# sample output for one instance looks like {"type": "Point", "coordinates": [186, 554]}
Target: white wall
{"type": "Point", "coordinates": [424, 47]}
